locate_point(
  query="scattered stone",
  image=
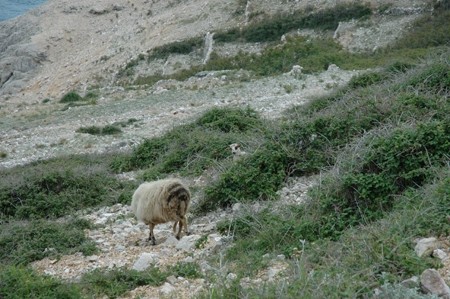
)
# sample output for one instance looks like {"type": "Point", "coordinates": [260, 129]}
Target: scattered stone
{"type": "Point", "coordinates": [440, 254]}
{"type": "Point", "coordinates": [166, 289]}
{"type": "Point", "coordinates": [92, 258]}
{"type": "Point", "coordinates": [411, 283]}
{"type": "Point", "coordinates": [145, 260]}
{"type": "Point", "coordinates": [425, 247]}
{"type": "Point", "coordinates": [187, 243]}
{"type": "Point", "coordinates": [172, 279]}
{"type": "Point", "coordinates": [432, 283]}
{"type": "Point", "coordinates": [231, 276]}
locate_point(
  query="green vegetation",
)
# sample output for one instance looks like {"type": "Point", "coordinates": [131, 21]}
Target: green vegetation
{"type": "Point", "coordinates": [273, 28]}
{"type": "Point", "coordinates": [94, 130]}
{"type": "Point", "coordinates": [116, 282]}
{"type": "Point", "coordinates": [21, 282]}
{"type": "Point", "coordinates": [58, 187]}
{"type": "Point", "coordinates": [192, 148]}
{"type": "Point", "coordinates": [73, 99]}
{"type": "Point", "coordinates": [23, 242]}
{"type": "Point", "coordinates": [112, 283]}
{"type": "Point", "coordinates": [179, 47]}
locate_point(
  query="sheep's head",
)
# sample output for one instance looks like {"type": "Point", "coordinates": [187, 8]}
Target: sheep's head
{"type": "Point", "coordinates": [235, 148]}
{"type": "Point", "coordinates": [178, 201]}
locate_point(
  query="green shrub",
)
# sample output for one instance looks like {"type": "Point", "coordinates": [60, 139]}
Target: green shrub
{"type": "Point", "coordinates": [71, 97]}
{"type": "Point", "coordinates": [365, 80]}
{"type": "Point", "coordinates": [24, 242]}
{"type": "Point", "coordinates": [185, 269]}
{"type": "Point", "coordinates": [115, 282]}
{"type": "Point", "coordinates": [58, 187]}
{"type": "Point", "coordinates": [257, 177]}
{"type": "Point", "coordinates": [392, 165]}
{"type": "Point", "coordinates": [435, 78]}
{"type": "Point", "coordinates": [94, 130]}
{"type": "Point", "coordinates": [192, 148]}
{"type": "Point", "coordinates": [230, 120]}
{"type": "Point", "coordinates": [179, 47]}
{"type": "Point", "coordinates": [273, 28]}
{"type": "Point", "coordinates": [431, 30]}
{"type": "Point", "coordinates": [20, 282]}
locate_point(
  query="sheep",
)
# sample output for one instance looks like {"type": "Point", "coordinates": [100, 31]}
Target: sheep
{"type": "Point", "coordinates": [236, 151]}
{"type": "Point", "coordinates": [160, 202]}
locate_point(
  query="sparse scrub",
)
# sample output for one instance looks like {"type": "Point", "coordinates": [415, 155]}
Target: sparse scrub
{"type": "Point", "coordinates": [71, 97]}
{"type": "Point", "coordinates": [22, 282]}
{"type": "Point", "coordinates": [365, 80]}
{"type": "Point", "coordinates": [115, 282]}
{"type": "Point", "coordinates": [95, 130]}
{"type": "Point", "coordinates": [179, 47]}
{"type": "Point", "coordinates": [430, 30]}
{"type": "Point", "coordinates": [186, 270]}
{"type": "Point", "coordinates": [273, 28]}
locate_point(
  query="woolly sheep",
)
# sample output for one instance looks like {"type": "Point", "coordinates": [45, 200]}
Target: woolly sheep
{"type": "Point", "coordinates": [160, 202]}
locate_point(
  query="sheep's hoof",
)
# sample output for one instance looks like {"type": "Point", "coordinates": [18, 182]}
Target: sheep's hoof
{"type": "Point", "coordinates": [188, 233]}
{"type": "Point", "coordinates": [178, 237]}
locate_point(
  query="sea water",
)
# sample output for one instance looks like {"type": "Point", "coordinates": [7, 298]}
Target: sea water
{"type": "Point", "coordinates": [13, 8]}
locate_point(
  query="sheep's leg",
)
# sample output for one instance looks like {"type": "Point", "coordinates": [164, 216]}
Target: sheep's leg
{"type": "Point", "coordinates": [178, 235]}
{"type": "Point", "coordinates": [183, 222]}
{"type": "Point", "coordinates": [175, 226]}
{"type": "Point", "coordinates": [151, 236]}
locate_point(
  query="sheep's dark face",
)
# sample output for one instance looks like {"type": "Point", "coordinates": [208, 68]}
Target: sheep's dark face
{"type": "Point", "coordinates": [178, 201]}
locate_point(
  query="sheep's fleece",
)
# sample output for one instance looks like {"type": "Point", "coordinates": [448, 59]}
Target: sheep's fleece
{"type": "Point", "coordinates": [160, 202]}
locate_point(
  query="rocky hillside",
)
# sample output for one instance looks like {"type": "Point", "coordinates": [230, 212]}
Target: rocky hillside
{"type": "Point", "coordinates": [87, 46]}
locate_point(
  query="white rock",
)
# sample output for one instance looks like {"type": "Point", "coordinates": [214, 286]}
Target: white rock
{"type": "Point", "coordinates": [119, 248]}
{"type": "Point", "coordinates": [426, 246]}
{"type": "Point", "coordinates": [440, 254]}
{"type": "Point", "coordinates": [145, 260]}
{"type": "Point", "coordinates": [171, 241]}
{"type": "Point", "coordinates": [411, 283]}
{"type": "Point", "coordinates": [187, 243]}
{"type": "Point", "coordinates": [172, 279]}
{"type": "Point", "coordinates": [231, 276]}
{"type": "Point", "coordinates": [166, 289]}
{"type": "Point", "coordinates": [92, 258]}
{"type": "Point", "coordinates": [272, 273]}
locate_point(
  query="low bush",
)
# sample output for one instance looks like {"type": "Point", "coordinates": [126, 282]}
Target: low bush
{"type": "Point", "coordinates": [20, 282]}
{"type": "Point", "coordinates": [257, 177]}
{"type": "Point", "coordinates": [273, 28]}
{"type": "Point", "coordinates": [185, 269]}
{"type": "Point", "coordinates": [58, 187]}
{"type": "Point", "coordinates": [94, 130]}
{"type": "Point", "coordinates": [115, 282]}
{"type": "Point", "coordinates": [24, 242]}
{"type": "Point", "coordinates": [71, 97]}
{"type": "Point", "coordinates": [179, 47]}
{"type": "Point", "coordinates": [192, 148]}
